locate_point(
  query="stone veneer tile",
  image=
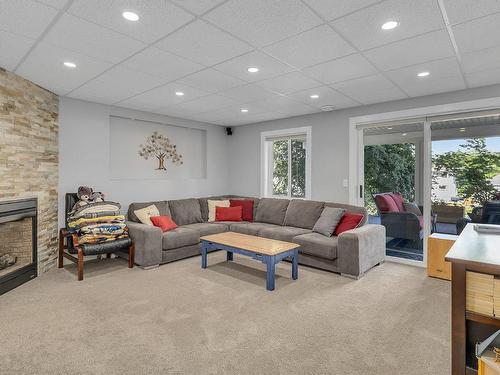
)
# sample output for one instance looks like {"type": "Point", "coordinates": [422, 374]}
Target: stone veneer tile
{"type": "Point", "coordinates": [29, 154]}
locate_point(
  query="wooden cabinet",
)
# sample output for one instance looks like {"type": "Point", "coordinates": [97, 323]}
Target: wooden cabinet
{"type": "Point", "coordinates": [438, 244]}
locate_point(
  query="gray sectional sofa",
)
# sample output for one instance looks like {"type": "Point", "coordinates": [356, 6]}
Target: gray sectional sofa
{"type": "Point", "coordinates": [352, 253]}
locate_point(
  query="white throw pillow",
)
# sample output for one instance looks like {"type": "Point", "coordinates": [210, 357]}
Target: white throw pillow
{"type": "Point", "coordinates": [145, 213]}
{"type": "Point", "coordinates": [212, 205]}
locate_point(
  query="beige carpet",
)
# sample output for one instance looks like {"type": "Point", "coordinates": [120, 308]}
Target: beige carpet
{"type": "Point", "coordinates": [180, 319]}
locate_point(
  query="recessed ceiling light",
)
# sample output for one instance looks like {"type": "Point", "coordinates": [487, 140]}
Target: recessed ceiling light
{"type": "Point", "coordinates": [314, 96]}
{"type": "Point", "coordinates": [389, 25]}
{"type": "Point", "coordinates": [130, 16]}
{"type": "Point", "coordinates": [327, 108]}
{"type": "Point", "coordinates": [389, 128]}
{"type": "Point", "coordinates": [179, 93]}
{"type": "Point", "coordinates": [244, 110]}
{"type": "Point", "coordinates": [253, 69]}
{"type": "Point", "coordinates": [404, 134]}
{"type": "Point", "coordinates": [423, 74]}
{"type": "Point", "coordinates": [69, 64]}
{"type": "Point", "coordinates": [462, 130]}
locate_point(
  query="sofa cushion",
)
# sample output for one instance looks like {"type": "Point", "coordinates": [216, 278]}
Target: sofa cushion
{"type": "Point", "coordinates": [144, 214]}
{"type": "Point", "coordinates": [282, 233]}
{"type": "Point", "coordinates": [272, 211]}
{"type": "Point", "coordinates": [251, 228]}
{"type": "Point", "coordinates": [180, 237]}
{"type": "Point", "coordinates": [386, 203]}
{"type": "Point", "coordinates": [399, 200]}
{"type": "Point", "coordinates": [317, 245]}
{"type": "Point", "coordinates": [204, 205]}
{"type": "Point", "coordinates": [328, 221]}
{"type": "Point", "coordinates": [212, 205]}
{"type": "Point", "coordinates": [351, 208]}
{"type": "Point", "coordinates": [162, 207]}
{"type": "Point", "coordinates": [349, 221]}
{"type": "Point", "coordinates": [228, 213]}
{"type": "Point", "coordinates": [204, 229]}
{"type": "Point", "coordinates": [185, 211]}
{"type": "Point", "coordinates": [303, 213]}
{"type": "Point", "coordinates": [165, 223]}
{"type": "Point", "coordinates": [246, 208]}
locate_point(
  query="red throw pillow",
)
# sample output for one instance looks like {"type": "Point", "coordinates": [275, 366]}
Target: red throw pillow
{"type": "Point", "coordinates": [398, 199]}
{"type": "Point", "coordinates": [349, 221]}
{"type": "Point", "coordinates": [165, 223]}
{"type": "Point", "coordinates": [246, 207]}
{"type": "Point", "coordinates": [386, 203]}
{"type": "Point", "coordinates": [228, 213]}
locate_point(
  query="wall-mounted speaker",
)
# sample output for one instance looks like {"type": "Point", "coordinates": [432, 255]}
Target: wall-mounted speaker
{"type": "Point", "coordinates": [229, 131]}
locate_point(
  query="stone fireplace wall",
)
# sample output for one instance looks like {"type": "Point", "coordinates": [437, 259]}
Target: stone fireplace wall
{"type": "Point", "coordinates": [29, 154]}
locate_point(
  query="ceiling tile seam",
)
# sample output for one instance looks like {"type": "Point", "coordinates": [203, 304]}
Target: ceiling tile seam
{"type": "Point", "coordinates": [474, 19]}
{"type": "Point", "coordinates": [42, 35]}
{"type": "Point", "coordinates": [193, 13]}
{"type": "Point", "coordinates": [359, 51]}
{"type": "Point", "coordinates": [129, 57]}
{"type": "Point", "coordinates": [356, 11]}
{"type": "Point", "coordinates": [453, 41]}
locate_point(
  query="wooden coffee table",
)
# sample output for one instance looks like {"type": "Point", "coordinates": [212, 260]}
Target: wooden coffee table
{"type": "Point", "coordinates": [268, 251]}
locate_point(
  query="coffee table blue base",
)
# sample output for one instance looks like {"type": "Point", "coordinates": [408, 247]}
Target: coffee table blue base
{"type": "Point", "coordinates": [269, 260]}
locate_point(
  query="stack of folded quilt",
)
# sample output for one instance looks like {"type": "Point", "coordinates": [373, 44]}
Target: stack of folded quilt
{"type": "Point", "coordinates": [97, 222]}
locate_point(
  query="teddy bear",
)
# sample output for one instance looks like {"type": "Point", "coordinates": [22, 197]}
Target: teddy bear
{"type": "Point", "coordinates": [86, 196]}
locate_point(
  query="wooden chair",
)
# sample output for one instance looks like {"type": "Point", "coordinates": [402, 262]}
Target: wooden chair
{"type": "Point", "coordinates": [69, 247]}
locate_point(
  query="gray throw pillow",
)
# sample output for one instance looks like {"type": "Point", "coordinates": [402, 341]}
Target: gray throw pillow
{"type": "Point", "coordinates": [412, 207]}
{"type": "Point", "coordinates": [328, 221]}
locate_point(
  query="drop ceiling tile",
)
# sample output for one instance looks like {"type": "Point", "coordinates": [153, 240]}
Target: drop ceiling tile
{"type": "Point", "coordinates": [203, 43]}
{"type": "Point", "coordinates": [479, 34]}
{"type": "Point", "coordinates": [58, 4]}
{"type": "Point", "coordinates": [13, 48]}
{"type": "Point", "coordinates": [233, 112]}
{"type": "Point", "coordinates": [115, 85]}
{"type": "Point", "coordinates": [464, 10]}
{"type": "Point", "coordinates": [157, 18]}
{"type": "Point", "coordinates": [247, 93]}
{"type": "Point", "coordinates": [285, 105]}
{"type": "Point", "coordinates": [334, 9]}
{"type": "Point", "coordinates": [432, 46]}
{"type": "Point", "coordinates": [372, 89]}
{"type": "Point", "coordinates": [288, 83]}
{"type": "Point", "coordinates": [416, 17]}
{"type": "Point", "coordinates": [327, 96]}
{"type": "Point", "coordinates": [481, 60]}
{"type": "Point", "coordinates": [259, 117]}
{"type": "Point", "coordinates": [343, 69]}
{"type": "Point", "coordinates": [206, 103]}
{"type": "Point", "coordinates": [269, 67]}
{"type": "Point", "coordinates": [444, 76]}
{"type": "Point", "coordinates": [163, 96]}
{"type": "Point", "coordinates": [92, 40]}
{"type": "Point", "coordinates": [483, 78]}
{"type": "Point", "coordinates": [311, 47]}
{"type": "Point", "coordinates": [162, 64]}
{"type": "Point", "coordinates": [44, 66]}
{"type": "Point", "coordinates": [25, 17]}
{"type": "Point", "coordinates": [262, 22]}
{"type": "Point", "coordinates": [211, 80]}
{"type": "Point", "coordinates": [198, 6]}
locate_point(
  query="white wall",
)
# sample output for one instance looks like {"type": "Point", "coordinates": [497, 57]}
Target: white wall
{"type": "Point", "coordinates": [84, 146]}
{"type": "Point", "coordinates": [330, 143]}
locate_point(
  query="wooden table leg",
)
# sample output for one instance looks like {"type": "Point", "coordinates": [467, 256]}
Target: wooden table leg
{"type": "Point", "coordinates": [80, 264]}
{"type": "Point", "coordinates": [204, 255]}
{"type": "Point", "coordinates": [458, 327]}
{"type": "Point", "coordinates": [295, 265]}
{"type": "Point", "coordinates": [271, 271]}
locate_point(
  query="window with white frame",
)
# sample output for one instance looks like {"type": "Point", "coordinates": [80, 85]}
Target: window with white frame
{"type": "Point", "coordinates": [286, 163]}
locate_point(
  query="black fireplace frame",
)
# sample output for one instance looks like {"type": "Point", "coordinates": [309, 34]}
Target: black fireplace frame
{"type": "Point", "coordinates": [15, 210]}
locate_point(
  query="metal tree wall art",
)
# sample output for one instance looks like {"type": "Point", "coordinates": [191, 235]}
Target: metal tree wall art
{"type": "Point", "coordinates": [159, 146]}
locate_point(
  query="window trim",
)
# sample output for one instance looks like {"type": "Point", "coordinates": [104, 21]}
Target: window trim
{"type": "Point", "coordinates": [265, 159]}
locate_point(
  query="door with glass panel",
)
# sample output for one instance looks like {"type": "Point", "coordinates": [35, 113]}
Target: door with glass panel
{"type": "Point", "coordinates": [392, 182]}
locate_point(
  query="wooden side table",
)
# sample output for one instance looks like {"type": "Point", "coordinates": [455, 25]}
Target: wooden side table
{"type": "Point", "coordinates": [438, 244]}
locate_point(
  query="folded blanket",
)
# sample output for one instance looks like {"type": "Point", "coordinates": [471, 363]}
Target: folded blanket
{"type": "Point", "coordinates": [104, 229]}
{"type": "Point", "coordinates": [98, 238]}
{"type": "Point", "coordinates": [94, 210]}
{"type": "Point", "coordinates": [78, 224]}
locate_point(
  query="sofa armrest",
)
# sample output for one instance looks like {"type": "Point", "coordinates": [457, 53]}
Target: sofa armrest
{"type": "Point", "coordinates": [148, 243]}
{"type": "Point", "coordinates": [360, 249]}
